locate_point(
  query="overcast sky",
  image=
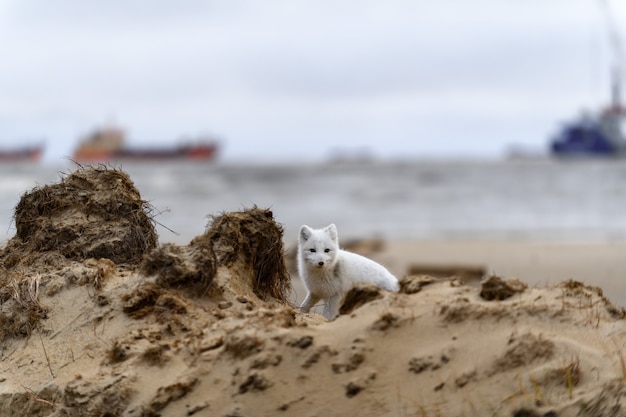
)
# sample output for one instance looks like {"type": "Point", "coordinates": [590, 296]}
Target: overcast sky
{"type": "Point", "coordinates": [291, 79]}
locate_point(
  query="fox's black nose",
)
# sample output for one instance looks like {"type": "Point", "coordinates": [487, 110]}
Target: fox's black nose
{"type": "Point", "coordinates": [321, 263]}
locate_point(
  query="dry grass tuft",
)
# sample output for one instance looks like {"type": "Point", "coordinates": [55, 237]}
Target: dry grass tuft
{"type": "Point", "coordinates": [93, 212]}
{"type": "Point", "coordinates": [253, 238]}
{"type": "Point", "coordinates": [21, 310]}
{"type": "Point", "coordinates": [585, 294]}
{"type": "Point", "coordinates": [569, 375]}
{"type": "Point", "coordinates": [523, 350]}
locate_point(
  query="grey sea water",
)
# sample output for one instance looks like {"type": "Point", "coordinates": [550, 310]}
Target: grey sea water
{"type": "Point", "coordinates": [538, 199]}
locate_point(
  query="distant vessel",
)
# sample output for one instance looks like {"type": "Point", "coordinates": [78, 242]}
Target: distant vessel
{"type": "Point", "coordinates": [594, 135]}
{"type": "Point", "coordinates": [108, 144]}
{"type": "Point", "coordinates": [600, 134]}
{"type": "Point", "coordinates": [22, 154]}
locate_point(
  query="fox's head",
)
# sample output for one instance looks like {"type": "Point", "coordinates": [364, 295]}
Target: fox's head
{"type": "Point", "coordinates": [318, 247]}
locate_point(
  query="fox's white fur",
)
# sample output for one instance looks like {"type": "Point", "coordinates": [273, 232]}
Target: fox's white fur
{"type": "Point", "coordinates": [329, 272]}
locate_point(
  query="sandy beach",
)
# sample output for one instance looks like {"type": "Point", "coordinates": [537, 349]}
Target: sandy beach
{"type": "Point", "coordinates": [99, 319]}
{"type": "Point", "coordinates": [597, 263]}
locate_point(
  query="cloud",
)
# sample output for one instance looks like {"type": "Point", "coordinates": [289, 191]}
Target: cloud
{"type": "Point", "coordinates": [339, 72]}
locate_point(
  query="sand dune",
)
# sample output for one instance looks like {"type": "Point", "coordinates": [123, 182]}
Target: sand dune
{"type": "Point", "coordinates": [208, 329]}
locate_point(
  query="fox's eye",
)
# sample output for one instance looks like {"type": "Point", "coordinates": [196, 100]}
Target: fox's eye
{"type": "Point", "coordinates": [311, 250]}
{"type": "Point", "coordinates": [326, 250]}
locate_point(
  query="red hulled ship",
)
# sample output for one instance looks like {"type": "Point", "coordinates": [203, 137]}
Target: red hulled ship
{"type": "Point", "coordinates": [22, 154]}
{"type": "Point", "coordinates": [108, 145]}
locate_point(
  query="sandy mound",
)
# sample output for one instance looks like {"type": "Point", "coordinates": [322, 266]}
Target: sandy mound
{"type": "Point", "coordinates": [91, 213]}
{"type": "Point", "coordinates": [206, 330]}
{"type": "Point", "coordinates": [94, 213]}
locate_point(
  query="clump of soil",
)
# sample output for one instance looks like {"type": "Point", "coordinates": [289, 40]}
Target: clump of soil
{"type": "Point", "coordinates": [359, 296]}
{"type": "Point", "coordinates": [252, 240]}
{"type": "Point", "coordinates": [150, 298]}
{"type": "Point", "coordinates": [192, 266]}
{"type": "Point", "coordinates": [412, 284]}
{"type": "Point", "coordinates": [248, 243]}
{"type": "Point", "coordinates": [495, 288]}
{"type": "Point", "coordinates": [91, 213]}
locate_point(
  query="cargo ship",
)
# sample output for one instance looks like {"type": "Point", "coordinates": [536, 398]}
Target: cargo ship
{"type": "Point", "coordinates": [22, 154]}
{"type": "Point", "coordinates": [108, 144]}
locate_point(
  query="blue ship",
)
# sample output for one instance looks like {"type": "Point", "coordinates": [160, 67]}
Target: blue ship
{"type": "Point", "coordinates": [594, 135]}
{"type": "Point", "coordinates": [600, 134]}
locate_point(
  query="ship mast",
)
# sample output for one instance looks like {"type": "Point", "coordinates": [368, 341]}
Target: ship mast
{"type": "Point", "coordinates": [616, 89]}
{"type": "Point", "coordinates": [618, 68]}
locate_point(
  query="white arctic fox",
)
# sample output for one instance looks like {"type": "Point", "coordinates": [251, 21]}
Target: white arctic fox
{"type": "Point", "coordinates": [329, 272]}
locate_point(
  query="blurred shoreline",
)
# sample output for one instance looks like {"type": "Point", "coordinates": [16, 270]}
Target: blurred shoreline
{"type": "Point", "coordinates": [526, 200]}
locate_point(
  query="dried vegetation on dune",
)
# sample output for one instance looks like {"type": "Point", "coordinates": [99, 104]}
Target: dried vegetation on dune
{"type": "Point", "coordinates": [91, 214]}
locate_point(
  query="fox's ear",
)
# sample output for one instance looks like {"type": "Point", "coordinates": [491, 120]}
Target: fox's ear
{"type": "Point", "coordinates": [331, 231]}
{"type": "Point", "coordinates": [305, 233]}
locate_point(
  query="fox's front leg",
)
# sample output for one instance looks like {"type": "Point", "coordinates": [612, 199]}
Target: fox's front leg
{"type": "Point", "coordinates": [331, 310]}
{"type": "Point", "coordinates": [309, 301]}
